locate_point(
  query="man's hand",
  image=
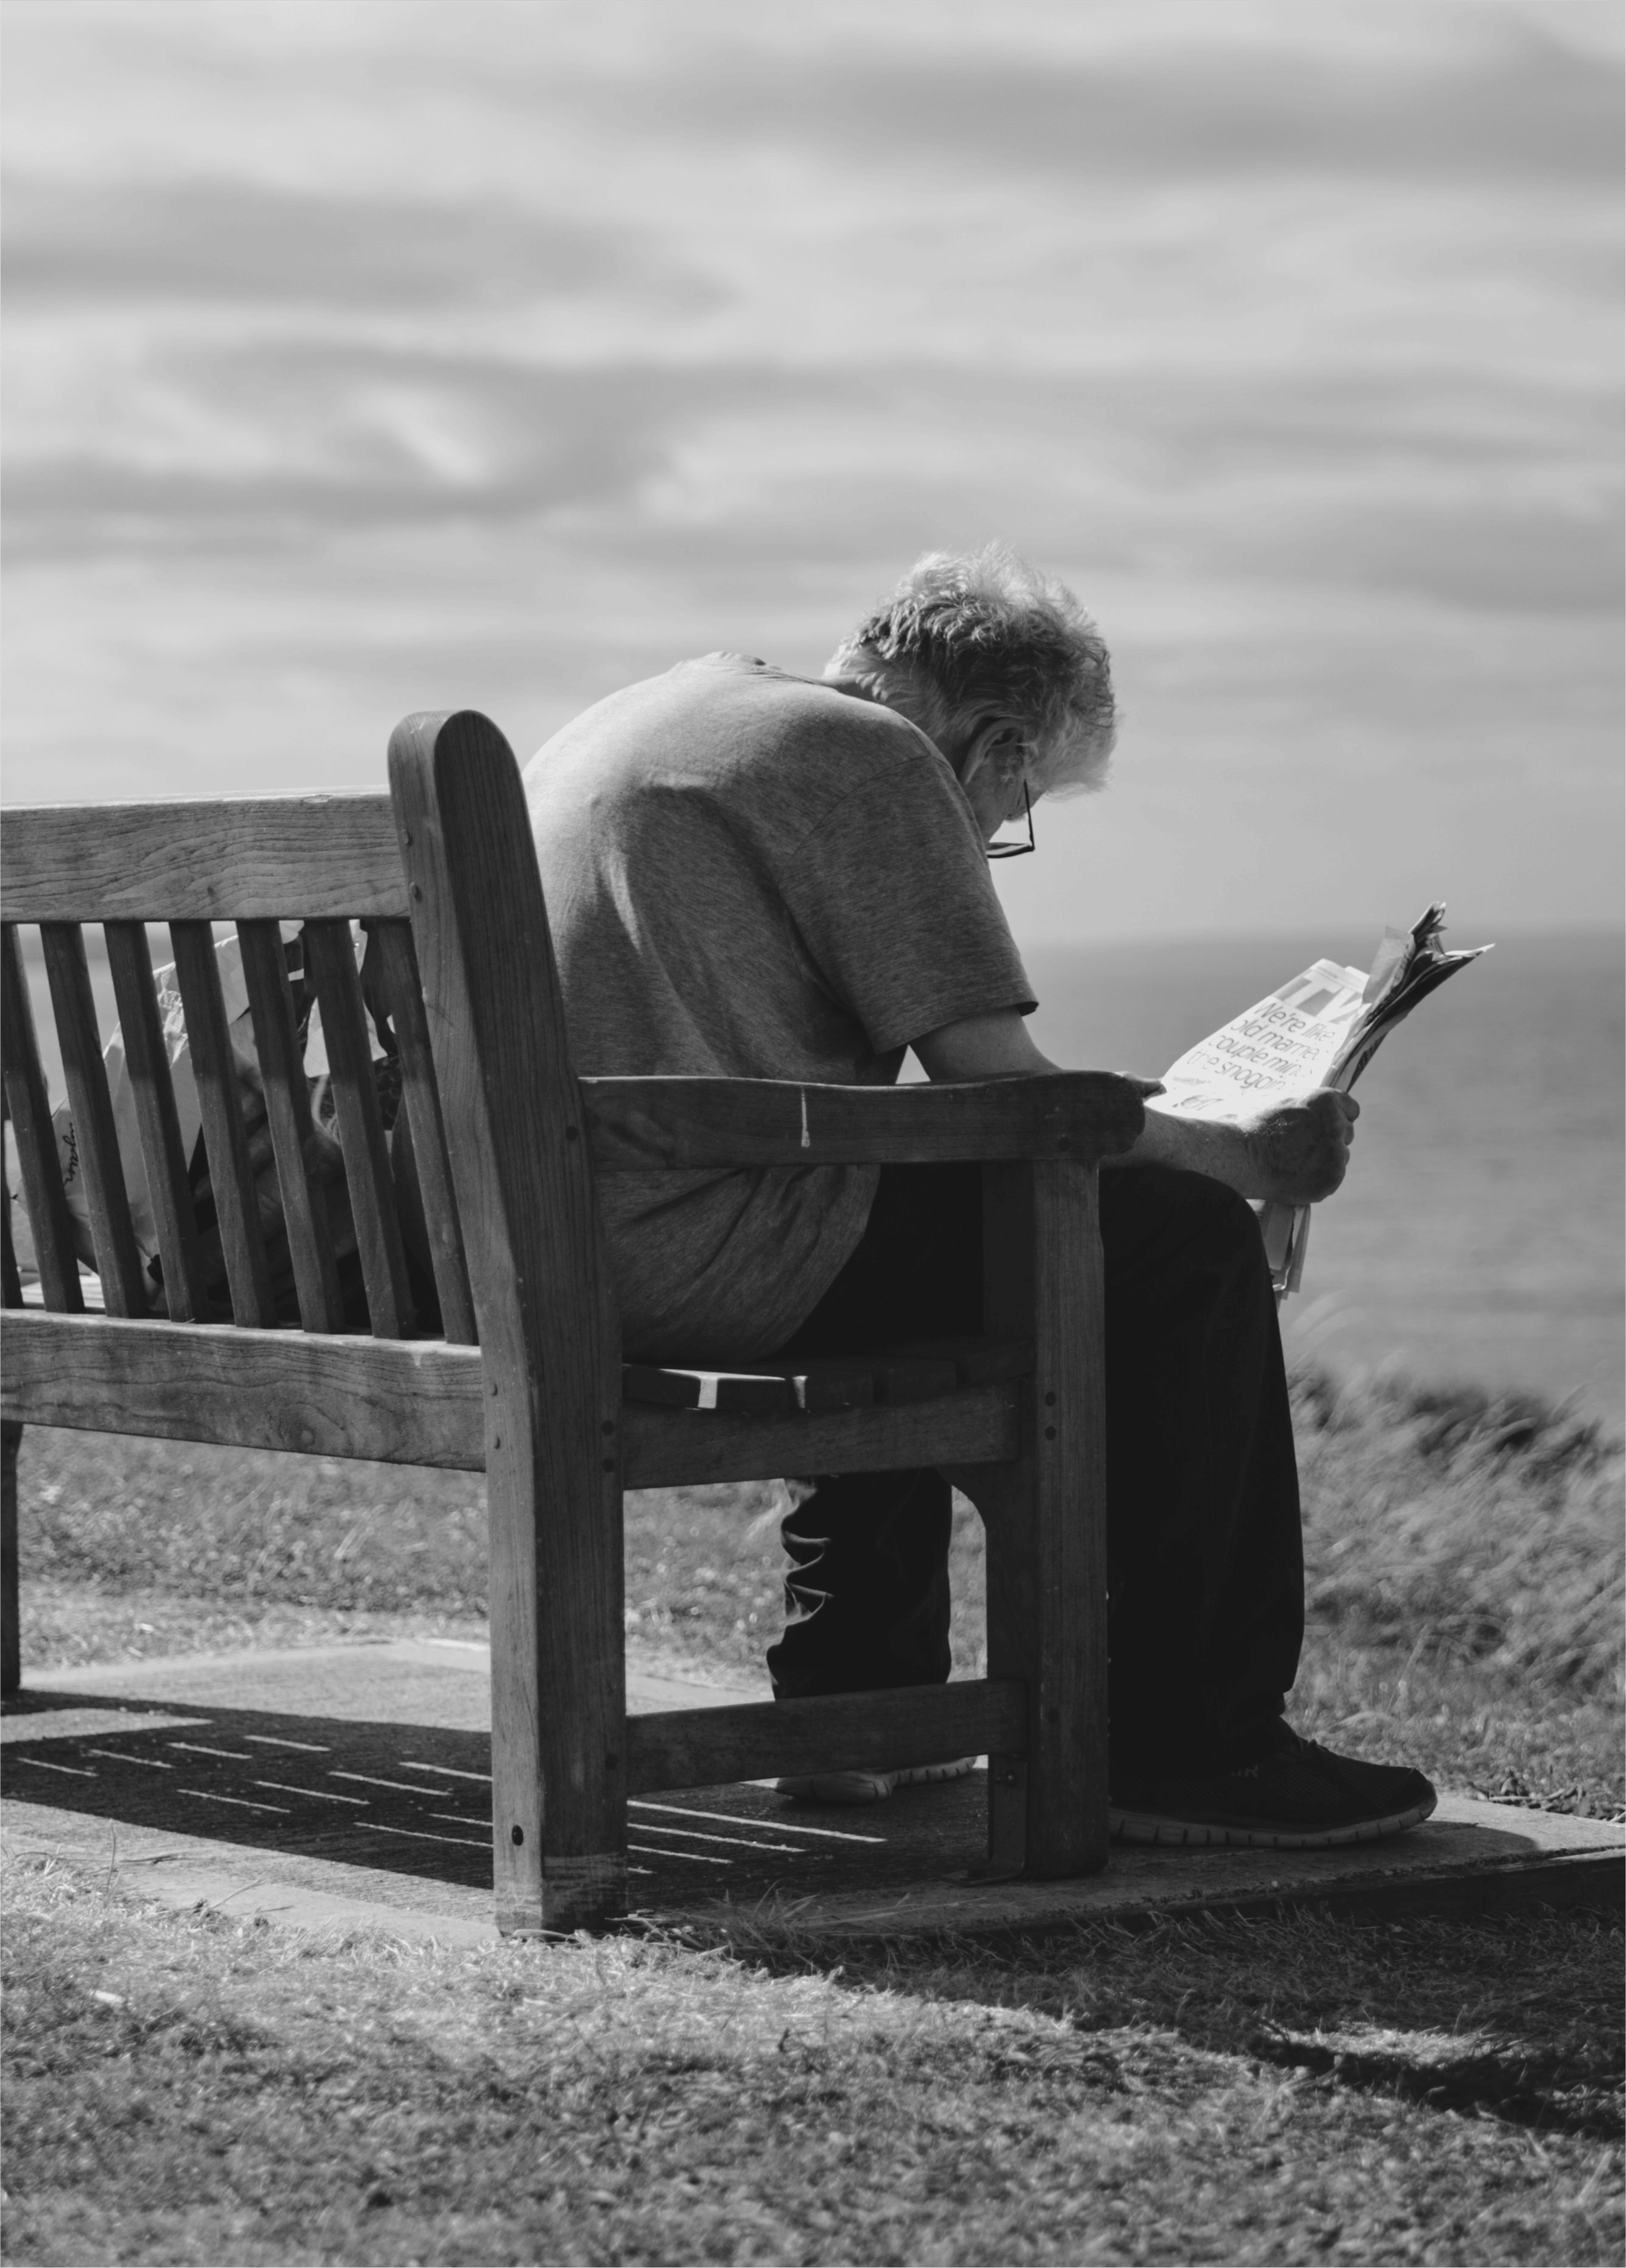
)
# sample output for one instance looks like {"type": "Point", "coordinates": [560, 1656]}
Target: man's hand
{"type": "Point", "coordinates": [1299, 1152]}
{"type": "Point", "coordinates": [1295, 1152]}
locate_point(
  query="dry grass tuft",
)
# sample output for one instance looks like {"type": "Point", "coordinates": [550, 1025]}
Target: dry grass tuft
{"type": "Point", "coordinates": [1484, 1529]}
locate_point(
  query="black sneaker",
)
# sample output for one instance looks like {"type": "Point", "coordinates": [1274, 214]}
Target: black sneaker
{"type": "Point", "coordinates": [1300, 1797]}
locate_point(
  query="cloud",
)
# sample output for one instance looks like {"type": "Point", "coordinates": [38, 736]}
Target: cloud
{"type": "Point", "coordinates": [217, 241]}
{"type": "Point", "coordinates": [361, 357]}
{"type": "Point", "coordinates": [312, 435]}
{"type": "Point", "coordinates": [1484, 494]}
{"type": "Point", "coordinates": [1525, 108]}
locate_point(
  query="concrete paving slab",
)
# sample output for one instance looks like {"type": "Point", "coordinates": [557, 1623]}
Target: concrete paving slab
{"type": "Point", "coordinates": [348, 1784]}
{"type": "Point", "coordinates": [188, 1874]}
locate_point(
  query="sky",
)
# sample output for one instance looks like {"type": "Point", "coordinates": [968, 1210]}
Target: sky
{"type": "Point", "coordinates": [363, 357]}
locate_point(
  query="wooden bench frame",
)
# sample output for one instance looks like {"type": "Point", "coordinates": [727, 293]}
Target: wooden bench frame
{"type": "Point", "coordinates": [527, 1381]}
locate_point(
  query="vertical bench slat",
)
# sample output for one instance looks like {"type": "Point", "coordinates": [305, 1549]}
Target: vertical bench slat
{"type": "Point", "coordinates": [226, 1139]}
{"type": "Point", "coordinates": [332, 964]}
{"type": "Point", "coordinates": [11, 1281]}
{"type": "Point", "coordinates": [426, 1128]}
{"type": "Point", "coordinates": [288, 1112]}
{"type": "Point", "coordinates": [36, 1143]}
{"type": "Point", "coordinates": [156, 1119]}
{"type": "Point", "coordinates": [10, 1620]}
{"type": "Point", "coordinates": [118, 1257]}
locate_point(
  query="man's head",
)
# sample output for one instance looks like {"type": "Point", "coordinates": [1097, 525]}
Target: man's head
{"type": "Point", "coordinates": [1001, 667]}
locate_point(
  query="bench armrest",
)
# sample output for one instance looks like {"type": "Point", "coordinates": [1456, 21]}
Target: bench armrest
{"type": "Point", "coordinates": [647, 1125]}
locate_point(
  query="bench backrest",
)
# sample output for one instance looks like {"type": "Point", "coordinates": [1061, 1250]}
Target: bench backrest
{"type": "Point", "coordinates": [321, 861]}
{"type": "Point", "coordinates": [478, 1036]}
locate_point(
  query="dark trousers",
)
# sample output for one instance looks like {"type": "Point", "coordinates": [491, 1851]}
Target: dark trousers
{"type": "Point", "coordinates": [1206, 1612]}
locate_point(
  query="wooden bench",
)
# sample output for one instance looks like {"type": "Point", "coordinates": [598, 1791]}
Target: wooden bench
{"type": "Point", "coordinates": [526, 1379]}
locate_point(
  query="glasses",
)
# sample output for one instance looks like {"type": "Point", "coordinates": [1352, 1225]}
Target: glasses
{"type": "Point", "coordinates": [1017, 849]}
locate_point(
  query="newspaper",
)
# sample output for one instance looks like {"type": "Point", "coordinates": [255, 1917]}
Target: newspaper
{"type": "Point", "coordinates": [1321, 1028]}
{"type": "Point", "coordinates": [189, 1110]}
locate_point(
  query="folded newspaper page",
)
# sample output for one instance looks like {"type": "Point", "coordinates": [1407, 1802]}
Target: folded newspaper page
{"type": "Point", "coordinates": [1321, 1028]}
{"type": "Point", "coordinates": [188, 1110]}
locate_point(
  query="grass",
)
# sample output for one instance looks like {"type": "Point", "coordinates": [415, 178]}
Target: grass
{"type": "Point", "coordinates": [187, 2088]}
{"type": "Point", "coordinates": [190, 2089]}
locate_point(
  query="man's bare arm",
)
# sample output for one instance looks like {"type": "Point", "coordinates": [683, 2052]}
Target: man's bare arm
{"type": "Point", "coordinates": [1294, 1151]}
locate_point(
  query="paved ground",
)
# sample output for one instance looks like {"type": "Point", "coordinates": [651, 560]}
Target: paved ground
{"type": "Point", "coordinates": [348, 1783]}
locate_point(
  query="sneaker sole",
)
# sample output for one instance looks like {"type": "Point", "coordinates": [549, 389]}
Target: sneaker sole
{"type": "Point", "coordinates": [1150, 1828]}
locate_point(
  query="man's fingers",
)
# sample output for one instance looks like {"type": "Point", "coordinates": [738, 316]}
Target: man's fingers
{"type": "Point", "coordinates": [1333, 1102]}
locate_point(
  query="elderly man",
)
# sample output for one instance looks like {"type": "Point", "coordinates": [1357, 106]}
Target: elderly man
{"type": "Point", "coordinates": [756, 875]}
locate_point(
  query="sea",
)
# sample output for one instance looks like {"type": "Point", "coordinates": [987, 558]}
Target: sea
{"type": "Point", "coordinates": [1478, 1237]}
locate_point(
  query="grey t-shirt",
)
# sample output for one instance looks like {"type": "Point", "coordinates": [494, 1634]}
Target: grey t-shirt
{"type": "Point", "coordinates": [754, 876]}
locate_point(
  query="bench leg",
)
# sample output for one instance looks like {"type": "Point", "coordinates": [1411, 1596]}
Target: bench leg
{"type": "Point", "coordinates": [549, 1335]}
{"type": "Point", "coordinates": [10, 1628]}
{"type": "Point", "coordinates": [558, 1699]}
{"type": "Point", "coordinates": [1046, 1521]}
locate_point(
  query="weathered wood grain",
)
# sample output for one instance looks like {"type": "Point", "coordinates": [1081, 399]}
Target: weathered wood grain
{"type": "Point", "coordinates": [29, 1106]}
{"type": "Point", "coordinates": [426, 1131]}
{"type": "Point", "coordinates": [549, 1332]}
{"type": "Point", "coordinates": [162, 1158]}
{"type": "Point", "coordinates": [10, 1280]}
{"type": "Point", "coordinates": [844, 1732]}
{"type": "Point", "coordinates": [367, 1174]}
{"type": "Point", "coordinates": [10, 1623]}
{"type": "Point", "coordinates": [226, 1139]}
{"type": "Point", "coordinates": [421, 1401]}
{"type": "Point", "coordinates": [118, 1260]}
{"type": "Point", "coordinates": [644, 1125]}
{"type": "Point", "coordinates": [288, 858]}
{"type": "Point", "coordinates": [1068, 1306]}
{"type": "Point", "coordinates": [399, 1402]}
{"type": "Point", "coordinates": [1045, 1515]}
{"type": "Point", "coordinates": [912, 1378]}
{"type": "Point", "coordinates": [672, 1449]}
{"type": "Point", "coordinates": [287, 1113]}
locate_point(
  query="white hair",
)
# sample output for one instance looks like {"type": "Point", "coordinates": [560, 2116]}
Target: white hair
{"type": "Point", "coordinates": [983, 631]}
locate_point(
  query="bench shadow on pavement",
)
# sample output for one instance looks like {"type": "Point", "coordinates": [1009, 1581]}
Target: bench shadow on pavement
{"type": "Point", "coordinates": [415, 1800]}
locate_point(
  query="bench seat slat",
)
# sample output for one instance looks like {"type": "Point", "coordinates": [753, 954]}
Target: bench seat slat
{"type": "Point", "coordinates": [332, 963]}
{"type": "Point", "coordinates": [158, 1125]}
{"type": "Point", "coordinates": [423, 1402]}
{"type": "Point", "coordinates": [118, 1258]}
{"type": "Point", "coordinates": [426, 1130]}
{"type": "Point", "coordinates": [922, 1372]}
{"type": "Point", "coordinates": [287, 1113]}
{"type": "Point", "coordinates": [676, 1448]}
{"type": "Point", "coordinates": [30, 1108]}
{"type": "Point", "coordinates": [225, 1139]}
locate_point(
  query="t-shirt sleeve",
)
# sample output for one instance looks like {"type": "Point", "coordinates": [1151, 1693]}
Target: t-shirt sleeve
{"type": "Point", "coordinates": [891, 893]}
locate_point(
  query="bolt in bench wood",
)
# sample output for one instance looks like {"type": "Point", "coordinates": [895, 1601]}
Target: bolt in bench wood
{"type": "Point", "coordinates": [527, 1379]}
